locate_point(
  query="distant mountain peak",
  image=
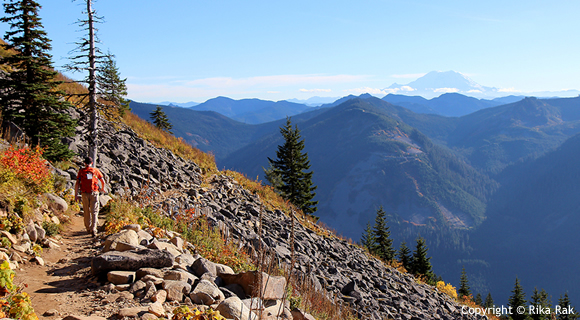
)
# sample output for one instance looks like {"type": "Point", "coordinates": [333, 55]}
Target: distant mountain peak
{"type": "Point", "coordinates": [436, 83]}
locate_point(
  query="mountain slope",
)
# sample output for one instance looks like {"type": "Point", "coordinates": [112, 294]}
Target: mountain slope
{"type": "Point", "coordinates": [364, 156]}
{"type": "Point", "coordinates": [212, 132]}
{"type": "Point", "coordinates": [533, 222]}
{"type": "Point", "coordinates": [495, 137]}
{"type": "Point", "coordinates": [251, 111]}
{"type": "Point", "coordinates": [447, 104]}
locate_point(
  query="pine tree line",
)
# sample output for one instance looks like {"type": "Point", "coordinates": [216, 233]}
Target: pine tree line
{"type": "Point", "coordinates": [376, 240]}
{"type": "Point", "coordinates": [539, 308]}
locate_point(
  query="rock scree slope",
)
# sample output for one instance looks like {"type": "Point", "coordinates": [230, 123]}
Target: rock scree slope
{"type": "Point", "coordinates": [342, 270]}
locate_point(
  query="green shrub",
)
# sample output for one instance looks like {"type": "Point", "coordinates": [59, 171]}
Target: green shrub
{"type": "Point", "coordinates": [51, 228]}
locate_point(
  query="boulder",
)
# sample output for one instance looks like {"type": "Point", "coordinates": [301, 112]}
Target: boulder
{"type": "Point", "coordinates": [178, 242]}
{"type": "Point", "coordinates": [202, 266]}
{"type": "Point", "coordinates": [104, 199]}
{"type": "Point", "coordinates": [176, 289]}
{"type": "Point", "coordinates": [150, 271]}
{"type": "Point", "coordinates": [159, 296]}
{"type": "Point", "coordinates": [223, 269]}
{"type": "Point", "coordinates": [157, 309]}
{"type": "Point", "coordinates": [31, 232]}
{"type": "Point", "coordinates": [123, 246]}
{"type": "Point", "coordinates": [272, 287]}
{"type": "Point", "coordinates": [40, 233]}
{"type": "Point", "coordinates": [207, 293]}
{"type": "Point", "coordinates": [185, 259]}
{"type": "Point", "coordinates": [9, 236]}
{"type": "Point", "coordinates": [277, 310]}
{"type": "Point", "coordinates": [169, 247]}
{"type": "Point", "coordinates": [127, 236]}
{"type": "Point", "coordinates": [131, 260]}
{"type": "Point", "coordinates": [234, 308]}
{"type": "Point", "coordinates": [180, 275]}
{"type": "Point", "coordinates": [132, 312]}
{"type": "Point", "coordinates": [121, 277]}
{"type": "Point", "coordinates": [56, 203]}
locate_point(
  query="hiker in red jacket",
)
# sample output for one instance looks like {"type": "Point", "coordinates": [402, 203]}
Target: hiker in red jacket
{"type": "Point", "coordinates": [88, 184]}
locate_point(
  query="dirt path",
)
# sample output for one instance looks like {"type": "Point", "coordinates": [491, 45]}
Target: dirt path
{"type": "Point", "coordinates": [64, 283]}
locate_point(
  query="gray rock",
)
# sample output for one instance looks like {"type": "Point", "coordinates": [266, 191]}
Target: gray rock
{"type": "Point", "coordinates": [272, 287]}
{"type": "Point", "coordinates": [31, 232]}
{"type": "Point", "coordinates": [56, 203]}
{"type": "Point", "coordinates": [131, 260]}
{"type": "Point", "coordinates": [150, 271]}
{"type": "Point", "coordinates": [206, 293]}
{"type": "Point", "coordinates": [202, 266]}
{"type": "Point", "coordinates": [121, 277]}
{"type": "Point", "coordinates": [234, 308]}
{"type": "Point", "coordinates": [127, 236]}
{"type": "Point", "coordinates": [185, 259]}
{"type": "Point", "coordinates": [179, 275]}
{"type": "Point", "coordinates": [176, 289]}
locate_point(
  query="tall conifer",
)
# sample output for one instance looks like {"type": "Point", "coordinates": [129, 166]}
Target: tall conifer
{"type": "Point", "coordinates": [540, 301]}
{"type": "Point", "coordinates": [384, 244]}
{"type": "Point", "coordinates": [464, 290]}
{"type": "Point", "coordinates": [404, 255]}
{"type": "Point", "coordinates": [368, 239]}
{"type": "Point", "coordinates": [518, 299]}
{"type": "Point", "coordinates": [292, 166]}
{"type": "Point", "coordinates": [564, 303]}
{"type": "Point", "coordinates": [420, 265]}
{"type": "Point", "coordinates": [28, 94]}
{"type": "Point", "coordinates": [488, 303]}
{"type": "Point", "coordinates": [111, 88]}
{"type": "Point", "coordinates": [160, 120]}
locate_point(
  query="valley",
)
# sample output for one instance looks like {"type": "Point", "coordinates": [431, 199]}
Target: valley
{"type": "Point", "coordinates": [445, 178]}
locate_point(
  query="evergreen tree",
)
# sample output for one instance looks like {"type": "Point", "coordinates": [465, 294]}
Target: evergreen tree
{"type": "Point", "coordinates": [368, 239]}
{"type": "Point", "coordinates": [464, 290]}
{"type": "Point", "coordinates": [478, 299]}
{"type": "Point", "coordinates": [564, 303]}
{"type": "Point", "coordinates": [28, 93]}
{"type": "Point", "coordinates": [292, 165]}
{"type": "Point", "coordinates": [540, 301]}
{"type": "Point", "coordinates": [404, 255]}
{"type": "Point", "coordinates": [384, 244]}
{"type": "Point", "coordinates": [518, 299]}
{"type": "Point", "coordinates": [420, 265]}
{"type": "Point", "coordinates": [112, 89]}
{"type": "Point", "coordinates": [488, 303]}
{"type": "Point", "coordinates": [160, 120]}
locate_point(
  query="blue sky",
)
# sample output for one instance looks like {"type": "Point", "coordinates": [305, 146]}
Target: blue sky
{"type": "Point", "coordinates": [186, 50]}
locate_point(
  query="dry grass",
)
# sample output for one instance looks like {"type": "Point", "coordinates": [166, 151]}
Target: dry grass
{"type": "Point", "coordinates": [178, 146]}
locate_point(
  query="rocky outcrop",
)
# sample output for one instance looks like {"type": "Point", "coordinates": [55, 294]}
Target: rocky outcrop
{"type": "Point", "coordinates": [161, 282]}
{"type": "Point", "coordinates": [342, 270]}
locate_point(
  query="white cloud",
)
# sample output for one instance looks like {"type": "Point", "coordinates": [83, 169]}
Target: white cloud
{"type": "Point", "coordinates": [172, 89]}
{"type": "Point", "coordinates": [315, 90]}
{"type": "Point", "coordinates": [445, 90]}
{"type": "Point", "coordinates": [408, 75]}
{"type": "Point", "coordinates": [273, 81]}
{"type": "Point", "coordinates": [474, 91]}
{"type": "Point", "coordinates": [407, 88]}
